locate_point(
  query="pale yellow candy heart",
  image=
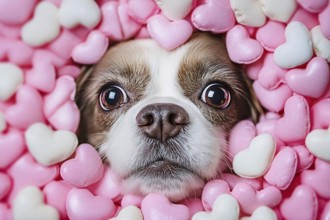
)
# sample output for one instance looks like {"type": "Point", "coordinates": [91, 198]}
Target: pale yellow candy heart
{"type": "Point", "coordinates": [262, 213]}
{"type": "Point", "coordinates": [255, 160]}
{"type": "Point", "coordinates": [49, 147]}
{"type": "Point", "coordinates": [11, 78]}
{"type": "Point", "coordinates": [44, 27]}
{"type": "Point", "coordinates": [248, 12]}
{"type": "Point", "coordinates": [278, 10]}
{"type": "Point", "coordinates": [174, 9]}
{"type": "Point", "coordinates": [29, 204]}
{"type": "Point", "coordinates": [320, 43]}
{"type": "Point", "coordinates": [129, 213]}
{"type": "Point", "coordinates": [79, 12]}
{"type": "Point", "coordinates": [2, 122]}
{"type": "Point", "coordinates": [318, 143]}
{"type": "Point", "coordinates": [224, 207]}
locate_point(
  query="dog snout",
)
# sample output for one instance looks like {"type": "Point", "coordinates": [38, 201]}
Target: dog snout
{"type": "Point", "coordinates": [162, 121]}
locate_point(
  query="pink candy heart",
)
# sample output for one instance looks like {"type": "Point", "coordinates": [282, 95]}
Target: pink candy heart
{"type": "Point", "coordinates": [311, 82]}
{"type": "Point", "coordinates": [320, 114]}
{"type": "Point", "coordinates": [85, 169]}
{"type": "Point", "coordinates": [215, 16]}
{"type": "Point", "coordinates": [5, 185]}
{"type": "Point", "coordinates": [305, 158]}
{"type": "Point", "coordinates": [157, 206]}
{"type": "Point", "coordinates": [82, 204]}
{"type": "Point", "coordinates": [16, 51]}
{"type": "Point", "coordinates": [91, 51]}
{"type": "Point", "coordinates": [141, 10]}
{"type": "Point", "coordinates": [271, 35]}
{"type": "Point", "coordinates": [241, 48]}
{"type": "Point", "coordinates": [42, 76]}
{"type": "Point", "coordinates": [295, 124]}
{"type": "Point", "coordinates": [212, 190]}
{"type": "Point", "coordinates": [169, 34]}
{"type": "Point", "coordinates": [11, 14]}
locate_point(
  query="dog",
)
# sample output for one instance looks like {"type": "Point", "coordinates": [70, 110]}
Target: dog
{"type": "Point", "coordinates": [161, 118]}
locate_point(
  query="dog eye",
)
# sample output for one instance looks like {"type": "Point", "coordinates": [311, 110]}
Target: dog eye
{"type": "Point", "coordinates": [112, 97]}
{"type": "Point", "coordinates": [216, 95]}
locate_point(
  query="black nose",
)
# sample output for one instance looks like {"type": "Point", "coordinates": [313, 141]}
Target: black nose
{"type": "Point", "coordinates": [162, 121]}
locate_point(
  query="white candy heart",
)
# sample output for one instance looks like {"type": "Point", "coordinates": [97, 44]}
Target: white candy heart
{"type": "Point", "coordinates": [248, 12]}
{"type": "Point", "coordinates": [129, 213]}
{"type": "Point", "coordinates": [320, 43]}
{"type": "Point", "coordinates": [49, 147]}
{"type": "Point", "coordinates": [298, 48]}
{"type": "Point", "coordinates": [278, 10]}
{"type": "Point", "coordinates": [11, 77]}
{"type": "Point", "coordinates": [318, 143]}
{"type": "Point", "coordinates": [2, 122]}
{"type": "Point", "coordinates": [262, 213]}
{"type": "Point", "coordinates": [79, 12]}
{"type": "Point", "coordinates": [44, 27]}
{"type": "Point", "coordinates": [29, 204]}
{"type": "Point", "coordinates": [174, 9]}
{"type": "Point", "coordinates": [224, 207]}
{"type": "Point", "coordinates": [254, 161]}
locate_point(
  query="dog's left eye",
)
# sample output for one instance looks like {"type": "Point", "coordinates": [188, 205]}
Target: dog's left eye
{"type": "Point", "coordinates": [216, 95]}
{"type": "Point", "coordinates": [112, 97]}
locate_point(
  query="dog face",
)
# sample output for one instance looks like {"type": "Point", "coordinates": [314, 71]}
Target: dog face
{"type": "Point", "coordinates": [160, 117]}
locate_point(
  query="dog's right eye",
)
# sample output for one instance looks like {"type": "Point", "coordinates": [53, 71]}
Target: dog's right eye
{"type": "Point", "coordinates": [112, 97]}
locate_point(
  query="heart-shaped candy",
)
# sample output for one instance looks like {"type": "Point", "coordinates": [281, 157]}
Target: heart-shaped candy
{"type": "Point", "coordinates": [233, 180]}
{"type": "Point", "coordinates": [44, 27]}
{"type": "Point", "coordinates": [315, 6]}
{"type": "Point", "coordinates": [271, 35]}
{"type": "Point", "coordinates": [141, 10]}
{"type": "Point", "coordinates": [85, 169]}
{"type": "Point", "coordinates": [298, 47]}
{"type": "Point", "coordinates": [255, 160]}
{"type": "Point", "coordinates": [129, 212]}
{"type": "Point", "coordinates": [262, 213]}
{"type": "Point", "coordinates": [215, 16]}
{"type": "Point", "coordinates": [3, 124]}
{"type": "Point", "coordinates": [241, 48]}
{"type": "Point", "coordinates": [82, 204]}
{"type": "Point", "coordinates": [13, 15]}
{"type": "Point", "coordinates": [320, 43]}
{"type": "Point", "coordinates": [42, 76]}
{"type": "Point", "coordinates": [224, 207]}
{"type": "Point", "coordinates": [312, 81]}
{"type": "Point", "coordinates": [212, 190]}
{"type": "Point", "coordinates": [248, 12]}
{"type": "Point", "coordinates": [175, 10]}
{"type": "Point", "coordinates": [320, 114]}
{"type": "Point", "coordinates": [11, 79]}
{"type": "Point", "coordinates": [157, 206]}
{"type": "Point", "coordinates": [169, 34]}
{"type": "Point", "coordinates": [79, 12]}
{"type": "Point", "coordinates": [305, 158]}
{"type": "Point", "coordinates": [278, 10]}
{"type": "Point", "coordinates": [49, 147]}
{"type": "Point", "coordinates": [318, 143]}
{"type": "Point", "coordinates": [131, 199]}
{"type": "Point", "coordinates": [29, 204]}
{"type": "Point", "coordinates": [17, 51]}
{"type": "Point", "coordinates": [5, 185]}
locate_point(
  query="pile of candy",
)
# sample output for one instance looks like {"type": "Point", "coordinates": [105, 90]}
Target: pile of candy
{"type": "Point", "coordinates": [281, 164]}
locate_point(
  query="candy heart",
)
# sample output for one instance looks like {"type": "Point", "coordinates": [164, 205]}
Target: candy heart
{"type": "Point", "coordinates": [233, 180]}
{"type": "Point", "coordinates": [169, 34]}
{"type": "Point", "coordinates": [212, 190]}
{"type": "Point", "coordinates": [142, 10]}
{"type": "Point", "coordinates": [318, 178]}
{"type": "Point", "coordinates": [92, 50]}
{"type": "Point", "coordinates": [82, 204]}
{"type": "Point", "coordinates": [255, 160]}
{"type": "Point", "coordinates": [16, 51]}
{"type": "Point", "coordinates": [282, 169]}
{"type": "Point", "coordinates": [69, 70]}
{"type": "Point", "coordinates": [278, 10]}
{"type": "Point", "coordinates": [215, 16]}
{"type": "Point", "coordinates": [49, 147]}
{"type": "Point", "coordinates": [320, 43]}
{"type": "Point", "coordinates": [320, 114]}
{"type": "Point", "coordinates": [262, 213]}
{"type": "Point", "coordinates": [295, 124]}
{"type": "Point", "coordinates": [13, 15]}
{"type": "Point", "coordinates": [315, 6]}
{"type": "Point", "coordinates": [302, 198]}
{"type": "Point", "coordinates": [11, 147]}
{"type": "Point", "coordinates": [305, 158]}
{"type": "Point", "coordinates": [310, 20]}
{"type": "Point", "coordinates": [3, 124]}
{"type": "Point", "coordinates": [44, 27]}
{"type": "Point", "coordinates": [131, 199]}
{"type": "Point", "coordinates": [240, 137]}
{"type": "Point", "coordinates": [5, 185]}
{"type": "Point", "coordinates": [29, 204]}
{"type": "Point", "coordinates": [248, 12]}
{"type": "Point", "coordinates": [38, 175]}
{"type": "Point", "coordinates": [271, 35]}
{"type": "Point", "coordinates": [241, 48]}
{"type": "Point", "coordinates": [42, 76]}
{"type": "Point", "coordinates": [28, 103]}
{"type": "Point", "coordinates": [175, 10]}
{"type": "Point", "coordinates": [11, 79]}
{"type": "Point", "coordinates": [297, 49]}
{"type": "Point", "coordinates": [129, 212]}
{"type": "Point", "coordinates": [85, 169]}
{"type": "Point", "coordinates": [79, 12]}
{"type": "Point", "coordinates": [250, 199]}
{"type": "Point", "coordinates": [318, 143]}
{"type": "Point", "coordinates": [157, 206]}
{"type": "Point", "coordinates": [225, 207]}
{"type": "Point", "coordinates": [324, 21]}
{"type": "Point", "coordinates": [315, 76]}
